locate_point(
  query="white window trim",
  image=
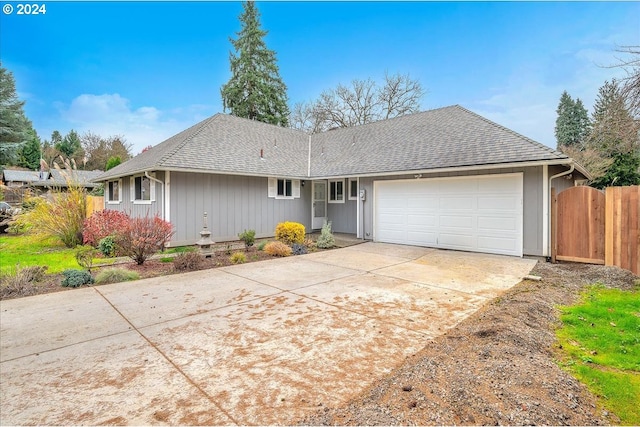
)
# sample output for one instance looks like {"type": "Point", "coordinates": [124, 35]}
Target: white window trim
{"type": "Point", "coordinates": [350, 196]}
{"type": "Point", "coordinates": [330, 195]}
{"type": "Point", "coordinates": [273, 188]}
{"type": "Point", "coordinates": [114, 202]}
{"type": "Point", "coordinates": [152, 190]}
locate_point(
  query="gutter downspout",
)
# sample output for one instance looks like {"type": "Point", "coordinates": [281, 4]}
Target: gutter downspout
{"type": "Point", "coordinates": [551, 178]}
{"type": "Point", "coordinates": [154, 179]}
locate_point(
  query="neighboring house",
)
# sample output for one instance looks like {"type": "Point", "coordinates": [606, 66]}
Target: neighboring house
{"type": "Point", "coordinates": [17, 182]}
{"type": "Point", "coordinates": [445, 178]}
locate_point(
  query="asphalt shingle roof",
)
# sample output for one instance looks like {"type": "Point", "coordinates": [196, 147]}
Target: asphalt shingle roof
{"type": "Point", "coordinates": [442, 138]}
{"type": "Point", "coordinates": [22, 176]}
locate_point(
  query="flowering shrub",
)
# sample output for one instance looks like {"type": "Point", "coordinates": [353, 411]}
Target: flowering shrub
{"type": "Point", "coordinates": [290, 232]}
{"type": "Point", "coordinates": [102, 224]}
{"type": "Point", "coordinates": [143, 237]}
{"type": "Point", "coordinates": [277, 249]}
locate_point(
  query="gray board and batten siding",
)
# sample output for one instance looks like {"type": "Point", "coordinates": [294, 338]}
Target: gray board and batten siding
{"type": "Point", "coordinates": [233, 203]}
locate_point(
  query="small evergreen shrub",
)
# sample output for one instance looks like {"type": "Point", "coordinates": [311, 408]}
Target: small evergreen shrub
{"type": "Point", "coordinates": [116, 275]}
{"type": "Point", "coordinates": [187, 261]}
{"type": "Point", "coordinates": [290, 232]}
{"type": "Point", "coordinates": [261, 245]}
{"type": "Point", "coordinates": [107, 246]}
{"type": "Point", "coordinates": [298, 249]}
{"type": "Point", "coordinates": [326, 239]}
{"type": "Point", "coordinates": [76, 278]}
{"type": "Point", "coordinates": [238, 258]}
{"type": "Point", "coordinates": [85, 256]}
{"type": "Point", "coordinates": [248, 237]}
{"type": "Point", "coordinates": [277, 249]}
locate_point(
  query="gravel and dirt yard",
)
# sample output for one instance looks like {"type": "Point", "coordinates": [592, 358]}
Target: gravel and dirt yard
{"type": "Point", "coordinates": [496, 367]}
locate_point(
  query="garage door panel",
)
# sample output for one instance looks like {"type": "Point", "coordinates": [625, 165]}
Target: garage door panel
{"type": "Point", "coordinates": [497, 224]}
{"type": "Point", "coordinates": [422, 220]}
{"type": "Point", "coordinates": [463, 222]}
{"type": "Point", "coordinates": [497, 245]}
{"type": "Point", "coordinates": [420, 238]}
{"type": "Point", "coordinates": [498, 184]}
{"type": "Point", "coordinates": [498, 203]}
{"type": "Point", "coordinates": [456, 241]}
{"type": "Point", "coordinates": [456, 203]}
{"type": "Point", "coordinates": [423, 203]}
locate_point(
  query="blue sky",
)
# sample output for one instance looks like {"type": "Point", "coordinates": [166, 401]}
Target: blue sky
{"type": "Point", "coordinates": [147, 70]}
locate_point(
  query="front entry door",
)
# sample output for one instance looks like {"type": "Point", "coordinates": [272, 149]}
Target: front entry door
{"type": "Point", "coordinates": [319, 210]}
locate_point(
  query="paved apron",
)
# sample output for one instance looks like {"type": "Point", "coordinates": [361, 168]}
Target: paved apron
{"type": "Point", "coordinates": [260, 343]}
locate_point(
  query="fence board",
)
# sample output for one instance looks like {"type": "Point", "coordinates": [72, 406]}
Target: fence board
{"type": "Point", "coordinates": [94, 204]}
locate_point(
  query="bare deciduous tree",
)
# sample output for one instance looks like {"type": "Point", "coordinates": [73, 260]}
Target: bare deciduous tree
{"type": "Point", "coordinates": [362, 102]}
{"type": "Point", "coordinates": [630, 85]}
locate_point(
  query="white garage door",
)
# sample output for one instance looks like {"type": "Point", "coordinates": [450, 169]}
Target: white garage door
{"type": "Point", "coordinates": [472, 213]}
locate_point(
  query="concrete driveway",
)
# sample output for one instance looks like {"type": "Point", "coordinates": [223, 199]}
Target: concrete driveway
{"type": "Point", "coordinates": [261, 343]}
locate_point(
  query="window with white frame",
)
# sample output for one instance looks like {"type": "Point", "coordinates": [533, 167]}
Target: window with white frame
{"type": "Point", "coordinates": [353, 189]}
{"type": "Point", "coordinates": [113, 191]}
{"type": "Point", "coordinates": [336, 191]}
{"type": "Point", "coordinates": [283, 188]}
{"type": "Point", "coordinates": [142, 189]}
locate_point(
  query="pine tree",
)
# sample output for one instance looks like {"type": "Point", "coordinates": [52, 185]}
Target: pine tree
{"type": "Point", "coordinates": [30, 153]}
{"type": "Point", "coordinates": [70, 145]}
{"type": "Point", "coordinates": [15, 128]}
{"type": "Point", "coordinates": [255, 90]}
{"type": "Point", "coordinates": [572, 123]}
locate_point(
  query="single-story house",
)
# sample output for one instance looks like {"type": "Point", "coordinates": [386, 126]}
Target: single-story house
{"type": "Point", "coordinates": [444, 178]}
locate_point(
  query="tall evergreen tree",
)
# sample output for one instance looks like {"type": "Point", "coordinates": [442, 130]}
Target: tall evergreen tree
{"type": "Point", "coordinates": [255, 90]}
{"type": "Point", "coordinates": [30, 153]}
{"type": "Point", "coordinates": [614, 131]}
{"type": "Point", "coordinates": [70, 145]}
{"type": "Point", "coordinates": [572, 123]}
{"type": "Point", "coordinates": [15, 128]}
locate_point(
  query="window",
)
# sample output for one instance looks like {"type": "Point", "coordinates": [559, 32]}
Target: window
{"type": "Point", "coordinates": [353, 189]}
{"type": "Point", "coordinates": [113, 192]}
{"type": "Point", "coordinates": [336, 191]}
{"type": "Point", "coordinates": [282, 188]}
{"type": "Point", "coordinates": [142, 190]}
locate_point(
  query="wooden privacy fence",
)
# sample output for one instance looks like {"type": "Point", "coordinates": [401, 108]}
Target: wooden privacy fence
{"type": "Point", "coordinates": [591, 226]}
{"type": "Point", "coordinates": [94, 204]}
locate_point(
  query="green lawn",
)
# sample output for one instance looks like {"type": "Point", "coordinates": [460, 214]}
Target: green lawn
{"type": "Point", "coordinates": [28, 250]}
{"type": "Point", "coordinates": [600, 340]}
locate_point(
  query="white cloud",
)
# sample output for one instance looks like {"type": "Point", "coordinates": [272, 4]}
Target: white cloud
{"type": "Point", "coordinates": [527, 102]}
{"type": "Point", "coordinates": [112, 114]}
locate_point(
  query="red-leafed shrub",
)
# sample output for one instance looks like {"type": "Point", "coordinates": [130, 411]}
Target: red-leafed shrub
{"type": "Point", "coordinates": [143, 237]}
{"type": "Point", "coordinates": [102, 224]}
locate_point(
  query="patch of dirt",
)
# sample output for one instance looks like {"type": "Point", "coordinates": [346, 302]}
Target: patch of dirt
{"type": "Point", "coordinates": [497, 367]}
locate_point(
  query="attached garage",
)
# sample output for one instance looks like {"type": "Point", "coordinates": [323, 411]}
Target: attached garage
{"type": "Point", "coordinates": [471, 213]}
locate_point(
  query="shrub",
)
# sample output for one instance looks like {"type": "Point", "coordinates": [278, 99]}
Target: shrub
{"type": "Point", "coordinates": [116, 275]}
{"type": "Point", "coordinates": [248, 237]}
{"type": "Point", "coordinates": [326, 239]}
{"type": "Point", "coordinates": [277, 249]}
{"type": "Point", "coordinates": [103, 224]}
{"type": "Point", "coordinates": [298, 249]}
{"type": "Point", "coordinates": [85, 256]}
{"type": "Point", "coordinates": [19, 282]}
{"type": "Point", "coordinates": [143, 237]}
{"type": "Point", "coordinates": [238, 258]}
{"type": "Point", "coordinates": [61, 215]}
{"type": "Point", "coordinates": [261, 245]}
{"type": "Point", "coordinates": [290, 232]}
{"type": "Point", "coordinates": [76, 278]}
{"type": "Point", "coordinates": [107, 246]}
{"type": "Point", "coordinates": [187, 261]}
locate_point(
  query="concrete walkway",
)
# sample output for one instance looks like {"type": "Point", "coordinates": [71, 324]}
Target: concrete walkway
{"type": "Point", "coordinates": [260, 343]}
